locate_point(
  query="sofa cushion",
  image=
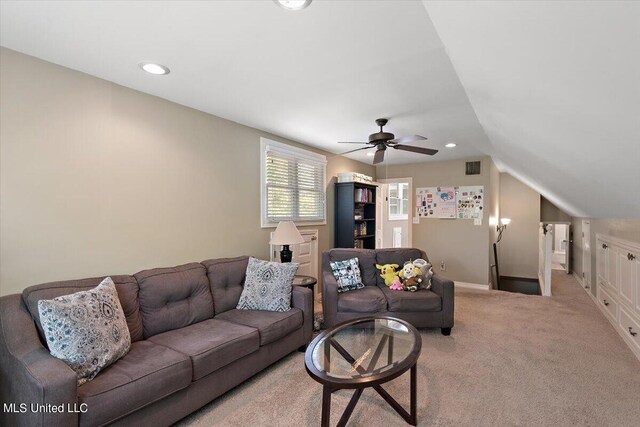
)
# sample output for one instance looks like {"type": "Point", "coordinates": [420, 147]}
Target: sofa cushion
{"type": "Point", "coordinates": [146, 374]}
{"type": "Point", "coordinates": [369, 299]}
{"type": "Point", "coordinates": [396, 256]}
{"type": "Point", "coordinates": [272, 325]}
{"type": "Point", "coordinates": [211, 344]}
{"type": "Point", "coordinates": [366, 262]}
{"type": "Point", "coordinates": [86, 329]}
{"type": "Point", "coordinates": [126, 286]}
{"type": "Point", "coordinates": [421, 300]}
{"type": "Point", "coordinates": [226, 279]}
{"type": "Point", "coordinates": [171, 298]}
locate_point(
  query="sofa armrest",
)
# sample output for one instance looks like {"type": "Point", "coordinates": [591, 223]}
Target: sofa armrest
{"type": "Point", "coordinates": [28, 372]}
{"type": "Point", "coordinates": [302, 298]}
{"type": "Point", "coordinates": [445, 289]}
{"type": "Point", "coordinates": [329, 298]}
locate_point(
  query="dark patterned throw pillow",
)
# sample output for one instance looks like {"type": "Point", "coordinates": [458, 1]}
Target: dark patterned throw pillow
{"type": "Point", "coordinates": [347, 274]}
{"type": "Point", "coordinates": [87, 330]}
{"type": "Point", "coordinates": [267, 286]}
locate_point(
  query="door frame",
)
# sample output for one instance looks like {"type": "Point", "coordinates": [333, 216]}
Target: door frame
{"type": "Point", "coordinates": [567, 254]}
{"type": "Point", "coordinates": [384, 205]}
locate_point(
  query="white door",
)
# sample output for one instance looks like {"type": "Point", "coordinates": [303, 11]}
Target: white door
{"type": "Point", "coordinates": [394, 210]}
{"type": "Point", "coordinates": [586, 253]}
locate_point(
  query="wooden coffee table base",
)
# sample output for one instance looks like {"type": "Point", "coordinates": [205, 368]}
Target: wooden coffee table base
{"type": "Point", "coordinates": [408, 417]}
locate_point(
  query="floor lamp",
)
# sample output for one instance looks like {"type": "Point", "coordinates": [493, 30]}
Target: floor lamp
{"type": "Point", "coordinates": [286, 234]}
{"type": "Point", "coordinates": [499, 229]}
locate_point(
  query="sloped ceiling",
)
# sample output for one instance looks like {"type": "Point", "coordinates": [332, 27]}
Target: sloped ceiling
{"type": "Point", "coordinates": [556, 87]}
{"type": "Point", "coordinates": [549, 89]}
{"type": "Point", "coordinates": [318, 76]}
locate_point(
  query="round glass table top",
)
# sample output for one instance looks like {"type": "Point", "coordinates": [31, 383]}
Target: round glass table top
{"type": "Point", "coordinates": [365, 348]}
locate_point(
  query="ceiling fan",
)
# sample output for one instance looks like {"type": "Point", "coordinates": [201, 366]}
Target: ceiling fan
{"type": "Point", "coordinates": [383, 140]}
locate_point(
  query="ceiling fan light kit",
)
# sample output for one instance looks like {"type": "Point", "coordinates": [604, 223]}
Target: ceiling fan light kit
{"type": "Point", "coordinates": [383, 140]}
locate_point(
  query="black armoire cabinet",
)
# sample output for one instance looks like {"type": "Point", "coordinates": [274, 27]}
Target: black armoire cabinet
{"type": "Point", "coordinates": [355, 215]}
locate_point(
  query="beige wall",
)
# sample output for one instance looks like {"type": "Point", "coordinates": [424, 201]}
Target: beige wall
{"type": "Point", "coordinates": [551, 213]}
{"type": "Point", "coordinates": [518, 249]}
{"type": "Point", "coordinates": [461, 244]}
{"type": "Point", "coordinates": [620, 228]}
{"type": "Point", "coordinates": [99, 179]}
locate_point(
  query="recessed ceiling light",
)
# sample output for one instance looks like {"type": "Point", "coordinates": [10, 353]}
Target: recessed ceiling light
{"type": "Point", "coordinates": [293, 4]}
{"type": "Point", "coordinates": [450, 145]}
{"type": "Point", "coordinates": [152, 68]}
{"type": "Point", "coordinates": [371, 154]}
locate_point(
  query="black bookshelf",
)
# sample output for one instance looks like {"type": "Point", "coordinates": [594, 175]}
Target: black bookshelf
{"type": "Point", "coordinates": [355, 215]}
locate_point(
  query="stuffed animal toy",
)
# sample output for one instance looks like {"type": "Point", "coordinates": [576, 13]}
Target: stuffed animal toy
{"type": "Point", "coordinates": [411, 277]}
{"type": "Point", "coordinates": [396, 285]}
{"type": "Point", "coordinates": [426, 271]}
{"type": "Point", "coordinates": [389, 272]}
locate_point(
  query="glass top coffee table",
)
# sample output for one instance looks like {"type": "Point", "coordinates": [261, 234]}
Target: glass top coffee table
{"type": "Point", "coordinates": [361, 353]}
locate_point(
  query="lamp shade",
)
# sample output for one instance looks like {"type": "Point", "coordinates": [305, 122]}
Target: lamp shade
{"type": "Point", "coordinates": [286, 234]}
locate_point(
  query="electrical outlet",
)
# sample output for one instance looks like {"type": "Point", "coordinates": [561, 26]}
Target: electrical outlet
{"type": "Point", "coordinates": [443, 266]}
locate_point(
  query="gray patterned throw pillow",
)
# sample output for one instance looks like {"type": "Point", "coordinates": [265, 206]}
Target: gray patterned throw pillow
{"type": "Point", "coordinates": [347, 274]}
{"type": "Point", "coordinates": [87, 330]}
{"type": "Point", "coordinates": [267, 286]}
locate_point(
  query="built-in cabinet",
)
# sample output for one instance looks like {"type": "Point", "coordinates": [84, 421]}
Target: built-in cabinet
{"type": "Point", "coordinates": [618, 272]}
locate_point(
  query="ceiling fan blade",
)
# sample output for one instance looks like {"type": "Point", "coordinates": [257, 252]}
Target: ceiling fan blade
{"type": "Point", "coordinates": [357, 149]}
{"type": "Point", "coordinates": [379, 157]}
{"type": "Point", "coordinates": [407, 139]}
{"type": "Point", "coordinates": [420, 150]}
{"type": "Point", "coordinates": [352, 142]}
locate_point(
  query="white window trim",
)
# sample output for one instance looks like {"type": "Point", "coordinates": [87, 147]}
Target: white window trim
{"type": "Point", "coordinates": [291, 150]}
{"type": "Point", "coordinates": [399, 217]}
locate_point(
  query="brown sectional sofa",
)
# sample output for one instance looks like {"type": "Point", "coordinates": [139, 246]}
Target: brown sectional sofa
{"type": "Point", "coordinates": [424, 309]}
{"type": "Point", "coordinates": [189, 346]}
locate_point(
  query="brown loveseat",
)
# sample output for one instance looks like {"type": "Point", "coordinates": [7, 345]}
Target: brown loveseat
{"type": "Point", "coordinates": [424, 309]}
{"type": "Point", "coordinates": [189, 346]}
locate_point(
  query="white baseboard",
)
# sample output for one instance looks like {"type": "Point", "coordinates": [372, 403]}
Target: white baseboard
{"type": "Point", "coordinates": [476, 286]}
{"type": "Point", "coordinates": [607, 316]}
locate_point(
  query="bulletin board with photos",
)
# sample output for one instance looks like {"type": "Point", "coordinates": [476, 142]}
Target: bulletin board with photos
{"type": "Point", "coordinates": [465, 202]}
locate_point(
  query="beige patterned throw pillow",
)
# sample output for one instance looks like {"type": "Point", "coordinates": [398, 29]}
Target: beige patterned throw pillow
{"type": "Point", "coordinates": [87, 329]}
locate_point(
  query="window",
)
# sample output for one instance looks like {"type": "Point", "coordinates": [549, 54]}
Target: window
{"type": "Point", "coordinates": [292, 184]}
{"type": "Point", "coordinates": [398, 200]}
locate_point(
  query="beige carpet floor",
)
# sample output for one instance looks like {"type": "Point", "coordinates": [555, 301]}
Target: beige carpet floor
{"type": "Point", "coordinates": [511, 359]}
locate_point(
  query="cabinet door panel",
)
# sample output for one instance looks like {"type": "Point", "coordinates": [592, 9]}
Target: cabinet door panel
{"type": "Point", "coordinates": [601, 261]}
{"type": "Point", "coordinates": [627, 278]}
{"type": "Point", "coordinates": [612, 267]}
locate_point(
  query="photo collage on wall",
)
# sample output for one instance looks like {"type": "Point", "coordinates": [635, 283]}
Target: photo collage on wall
{"type": "Point", "coordinates": [470, 202]}
{"type": "Point", "coordinates": [465, 202]}
{"type": "Point", "coordinates": [436, 202]}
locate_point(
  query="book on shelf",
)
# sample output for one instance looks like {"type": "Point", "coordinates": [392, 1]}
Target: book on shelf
{"type": "Point", "coordinates": [358, 244]}
{"type": "Point", "coordinates": [360, 230]}
{"type": "Point", "coordinates": [363, 195]}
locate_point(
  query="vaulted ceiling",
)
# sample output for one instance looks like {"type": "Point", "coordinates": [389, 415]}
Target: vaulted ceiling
{"type": "Point", "coordinates": [550, 90]}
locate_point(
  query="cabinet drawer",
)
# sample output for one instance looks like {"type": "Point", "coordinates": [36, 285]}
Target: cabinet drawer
{"type": "Point", "coordinates": [630, 326]}
{"type": "Point", "coordinates": [610, 304]}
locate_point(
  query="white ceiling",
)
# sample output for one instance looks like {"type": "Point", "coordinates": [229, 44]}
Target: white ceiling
{"type": "Point", "coordinates": [318, 76]}
{"type": "Point", "coordinates": [554, 85]}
